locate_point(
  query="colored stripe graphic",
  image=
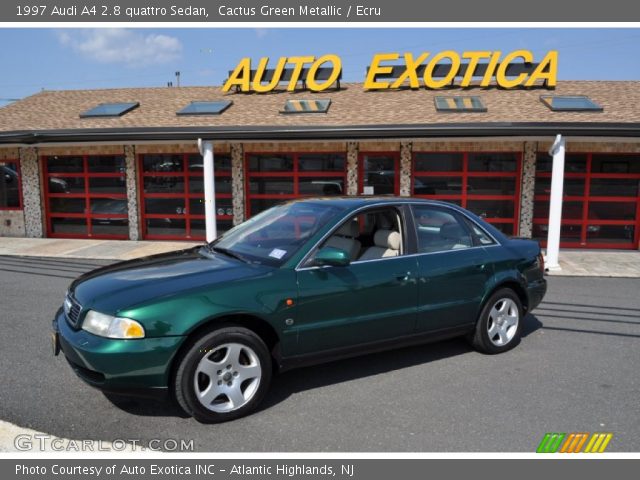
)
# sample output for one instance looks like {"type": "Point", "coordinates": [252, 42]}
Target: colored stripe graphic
{"type": "Point", "coordinates": [573, 442]}
{"type": "Point", "coordinates": [598, 442]}
{"type": "Point", "coordinates": [550, 442]}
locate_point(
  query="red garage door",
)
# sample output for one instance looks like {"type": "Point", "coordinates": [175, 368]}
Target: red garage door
{"type": "Point", "coordinates": [601, 202]}
{"type": "Point", "coordinates": [272, 178]}
{"type": "Point", "coordinates": [86, 196]}
{"type": "Point", "coordinates": [172, 203]}
{"type": "Point", "coordinates": [486, 183]}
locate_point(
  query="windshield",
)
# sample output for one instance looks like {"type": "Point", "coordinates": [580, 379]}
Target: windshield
{"type": "Point", "coordinates": [275, 235]}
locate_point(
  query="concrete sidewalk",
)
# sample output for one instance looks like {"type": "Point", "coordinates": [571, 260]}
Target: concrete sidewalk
{"type": "Point", "coordinates": [599, 263]}
{"type": "Point", "coordinates": [579, 263]}
{"type": "Point", "coordinates": [100, 249]}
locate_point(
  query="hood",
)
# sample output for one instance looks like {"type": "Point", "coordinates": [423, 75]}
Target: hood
{"type": "Point", "coordinates": [127, 284]}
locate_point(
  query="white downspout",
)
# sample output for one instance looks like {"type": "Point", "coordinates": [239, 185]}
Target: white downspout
{"type": "Point", "coordinates": [206, 150]}
{"type": "Point", "coordinates": [555, 203]}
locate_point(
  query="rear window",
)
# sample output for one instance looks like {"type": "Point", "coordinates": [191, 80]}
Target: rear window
{"type": "Point", "coordinates": [440, 230]}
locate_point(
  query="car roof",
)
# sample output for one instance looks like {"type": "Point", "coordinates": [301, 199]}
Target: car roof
{"type": "Point", "coordinates": [358, 201]}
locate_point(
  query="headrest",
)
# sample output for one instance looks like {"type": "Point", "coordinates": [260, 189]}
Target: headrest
{"type": "Point", "coordinates": [349, 229]}
{"type": "Point", "coordinates": [387, 239]}
{"type": "Point", "coordinates": [451, 231]}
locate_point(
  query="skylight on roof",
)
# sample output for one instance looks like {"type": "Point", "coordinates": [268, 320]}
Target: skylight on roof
{"type": "Point", "coordinates": [205, 108]}
{"type": "Point", "coordinates": [306, 106]}
{"type": "Point", "coordinates": [455, 103]}
{"type": "Point", "coordinates": [110, 109]}
{"type": "Point", "coordinates": [570, 103]}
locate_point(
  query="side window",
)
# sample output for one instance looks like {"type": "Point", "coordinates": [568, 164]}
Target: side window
{"type": "Point", "coordinates": [479, 235]}
{"type": "Point", "coordinates": [439, 230]}
{"type": "Point", "coordinates": [371, 235]}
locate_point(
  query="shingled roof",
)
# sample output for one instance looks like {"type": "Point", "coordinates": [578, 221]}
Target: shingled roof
{"type": "Point", "coordinates": [55, 115]}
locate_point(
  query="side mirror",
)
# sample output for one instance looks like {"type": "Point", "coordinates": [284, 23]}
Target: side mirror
{"type": "Point", "coordinates": [332, 256]}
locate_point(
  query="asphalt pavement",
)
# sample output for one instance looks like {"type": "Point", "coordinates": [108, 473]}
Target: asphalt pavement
{"type": "Point", "coordinates": [576, 370]}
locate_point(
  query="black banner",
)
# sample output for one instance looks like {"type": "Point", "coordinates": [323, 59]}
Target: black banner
{"type": "Point", "coordinates": [317, 469]}
{"type": "Point", "coordinates": [357, 11]}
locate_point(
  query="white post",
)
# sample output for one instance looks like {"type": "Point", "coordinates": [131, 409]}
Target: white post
{"type": "Point", "coordinates": [206, 150]}
{"type": "Point", "coordinates": [555, 203]}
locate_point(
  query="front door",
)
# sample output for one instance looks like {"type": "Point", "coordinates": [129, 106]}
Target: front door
{"type": "Point", "coordinates": [371, 300]}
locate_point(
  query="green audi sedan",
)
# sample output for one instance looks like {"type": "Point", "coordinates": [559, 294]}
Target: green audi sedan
{"type": "Point", "coordinates": [305, 282]}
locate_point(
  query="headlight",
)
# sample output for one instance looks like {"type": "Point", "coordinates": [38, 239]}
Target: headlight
{"type": "Point", "coordinates": [111, 327]}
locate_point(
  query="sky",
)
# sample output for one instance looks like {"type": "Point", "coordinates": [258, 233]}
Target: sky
{"type": "Point", "coordinates": [60, 59]}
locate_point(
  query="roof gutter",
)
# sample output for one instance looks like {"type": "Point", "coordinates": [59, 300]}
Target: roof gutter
{"type": "Point", "coordinates": [493, 129]}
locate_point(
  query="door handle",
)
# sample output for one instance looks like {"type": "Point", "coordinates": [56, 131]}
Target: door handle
{"type": "Point", "coordinates": [480, 266]}
{"type": "Point", "coordinates": [403, 277]}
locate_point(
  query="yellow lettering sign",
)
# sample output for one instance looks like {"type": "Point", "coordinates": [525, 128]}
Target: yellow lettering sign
{"type": "Point", "coordinates": [298, 63]}
{"type": "Point", "coordinates": [411, 70]}
{"type": "Point", "coordinates": [240, 77]}
{"type": "Point", "coordinates": [247, 81]}
{"type": "Point", "coordinates": [501, 74]}
{"type": "Point", "coordinates": [474, 58]}
{"type": "Point", "coordinates": [258, 86]}
{"type": "Point", "coordinates": [549, 63]}
{"type": "Point", "coordinates": [416, 71]}
{"type": "Point", "coordinates": [454, 60]}
{"type": "Point", "coordinates": [376, 69]}
{"type": "Point", "coordinates": [335, 73]}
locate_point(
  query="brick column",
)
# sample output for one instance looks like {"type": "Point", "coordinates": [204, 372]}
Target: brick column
{"type": "Point", "coordinates": [527, 189]}
{"type": "Point", "coordinates": [406, 148]}
{"type": "Point", "coordinates": [31, 192]}
{"type": "Point", "coordinates": [237, 182]}
{"type": "Point", "coordinates": [132, 192]}
{"type": "Point", "coordinates": [352, 168]}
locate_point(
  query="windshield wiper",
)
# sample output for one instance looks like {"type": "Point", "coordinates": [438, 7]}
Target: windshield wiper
{"type": "Point", "coordinates": [229, 253]}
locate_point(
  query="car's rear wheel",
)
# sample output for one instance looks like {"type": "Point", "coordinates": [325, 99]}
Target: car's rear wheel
{"type": "Point", "coordinates": [223, 375]}
{"type": "Point", "coordinates": [500, 323]}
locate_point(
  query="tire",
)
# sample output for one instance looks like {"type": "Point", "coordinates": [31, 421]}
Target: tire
{"type": "Point", "coordinates": [499, 326]}
{"type": "Point", "coordinates": [223, 375]}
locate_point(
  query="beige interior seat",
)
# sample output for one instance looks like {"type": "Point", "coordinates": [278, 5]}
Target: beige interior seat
{"type": "Point", "coordinates": [387, 244]}
{"type": "Point", "coordinates": [345, 239]}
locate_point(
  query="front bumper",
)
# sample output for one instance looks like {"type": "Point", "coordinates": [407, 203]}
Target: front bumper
{"type": "Point", "coordinates": [139, 367]}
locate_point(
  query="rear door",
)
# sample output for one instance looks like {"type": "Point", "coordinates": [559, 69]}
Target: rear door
{"type": "Point", "coordinates": [365, 302]}
{"type": "Point", "coordinates": [453, 270]}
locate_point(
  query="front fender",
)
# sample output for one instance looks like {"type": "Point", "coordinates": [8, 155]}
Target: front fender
{"type": "Point", "coordinates": [263, 297]}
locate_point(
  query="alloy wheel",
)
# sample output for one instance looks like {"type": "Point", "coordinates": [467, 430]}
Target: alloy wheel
{"type": "Point", "coordinates": [227, 377]}
{"type": "Point", "coordinates": [503, 322]}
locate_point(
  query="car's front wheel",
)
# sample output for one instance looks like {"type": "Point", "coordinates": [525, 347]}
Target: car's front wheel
{"type": "Point", "coordinates": [224, 374]}
{"type": "Point", "coordinates": [500, 323]}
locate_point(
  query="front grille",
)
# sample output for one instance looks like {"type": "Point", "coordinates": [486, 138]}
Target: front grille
{"type": "Point", "coordinates": [73, 310]}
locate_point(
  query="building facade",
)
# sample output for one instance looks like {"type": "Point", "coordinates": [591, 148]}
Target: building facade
{"type": "Point", "coordinates": [138, 175]}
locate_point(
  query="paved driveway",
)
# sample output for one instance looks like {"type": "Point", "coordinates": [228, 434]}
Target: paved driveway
{"type": "Point", "coordinates": [576, 370]}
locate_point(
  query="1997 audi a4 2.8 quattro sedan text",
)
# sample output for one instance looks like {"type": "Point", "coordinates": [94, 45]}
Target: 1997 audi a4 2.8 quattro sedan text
{"type": "Point", "coordinates": [305, 282]}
